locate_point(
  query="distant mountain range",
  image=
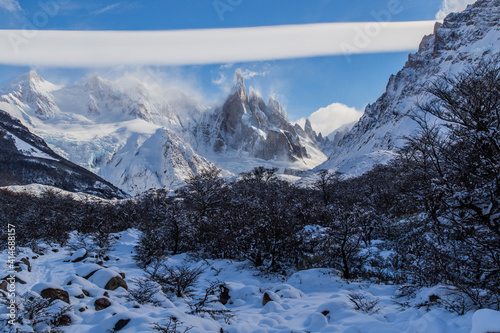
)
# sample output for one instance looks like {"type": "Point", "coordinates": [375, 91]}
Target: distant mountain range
{"type": "Point", "coordinates": [137, 137]}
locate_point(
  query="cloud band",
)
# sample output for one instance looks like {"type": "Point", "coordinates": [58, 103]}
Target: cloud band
{"type": "Point", "coordinates": [208, 46]}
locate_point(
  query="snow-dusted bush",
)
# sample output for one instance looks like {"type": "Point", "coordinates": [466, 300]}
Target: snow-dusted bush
{"type": "Point", "coordinates": [145, 292]}
{"type": "Point", "coordinates": [178, 281]}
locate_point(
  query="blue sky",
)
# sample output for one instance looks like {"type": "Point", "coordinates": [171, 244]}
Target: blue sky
{"type": "Point", "coordinates": [302, 85]}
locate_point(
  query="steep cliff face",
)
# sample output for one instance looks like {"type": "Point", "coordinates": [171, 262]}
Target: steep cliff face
{"type": "Point", "coordinates": [246, 123]}
{"type": "Point", "coordinates": [460, 41]}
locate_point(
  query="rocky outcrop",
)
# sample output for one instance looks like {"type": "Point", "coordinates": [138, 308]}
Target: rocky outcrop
{"type": "Point", "coordinates": [245, 122]}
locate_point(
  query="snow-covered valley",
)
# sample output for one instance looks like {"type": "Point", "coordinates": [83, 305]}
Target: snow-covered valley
{"type": "Point", "coordinates": [315, 300]}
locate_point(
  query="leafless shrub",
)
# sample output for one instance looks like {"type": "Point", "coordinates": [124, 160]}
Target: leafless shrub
{"type": "Point", "coordinates": [363, 302]}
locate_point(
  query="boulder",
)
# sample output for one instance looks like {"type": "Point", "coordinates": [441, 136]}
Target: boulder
{"type": "Point", "coordinates": [116, 282]}
{"type": "Point", "coordinates": [87, 270]}
{"type": "Point", "coordinates": [3, 285]}
{"type": "Point", "coordinates": [26, 261]}
{"type": "Point", "coordinates": [121, 324]}
{"type": "Point", "coordinates": [51, 291]}
{"type": "Point", "coordinates": [270, 296]}
{"type": "Point", "coordinates": [266, 299]}
{"type": "Point", "coordinates": [54, 294]}
{"type": "Point", "coordinates": [79, 255]}
{"type": "Point", "coordinates": [101, 304]}
{"type": "Point", "coordinates": [108, 279]}
{"type": "Point", "coordinates": [63, 320]}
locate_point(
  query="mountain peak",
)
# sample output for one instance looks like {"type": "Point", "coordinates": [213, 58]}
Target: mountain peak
{"type": "Point", "coordinates": [253, 94]}
{"type": "Point", "coordinates": [33, 76]}
{"type": "Point", "coordinates": [308, 129]}
{"type": "Point", "coordinates": [239, 85]}
{"type": "Point", "coordinates": [94, 81]}
{"type": "Point", "coordinates": [30, 78]}
{"type": "Point", "coordinates": [274, 106]}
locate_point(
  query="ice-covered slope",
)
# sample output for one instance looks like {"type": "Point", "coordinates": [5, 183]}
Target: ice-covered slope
{"type": "Point", "coordinates": [462, 40]}
{"type": "Point", "coordinates": [27, 159]}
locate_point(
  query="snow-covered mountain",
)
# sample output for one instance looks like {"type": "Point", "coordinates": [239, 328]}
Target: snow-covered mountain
{"type": "Point", "coordinates": [27, 159]}
{"type": "Point", "coordinates": [139, 136]}
{"type": "Point", "coordinates": [462, 40]}
{"type": "Point", "coordinates": [246, 123]}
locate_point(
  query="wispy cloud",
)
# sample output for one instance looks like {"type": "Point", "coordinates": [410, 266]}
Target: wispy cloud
{"type": "Point", "coordinates": [210, 46]}
{"type": "Point", "coordinates": [248, 74]}
{"type": "Point", "coordinates": [221, 80]}
{"type": "Point", "coordinates": [226, 66]}
{"type": "Point", "coordinates": [106, 9]}
{"type": "Point", "coordinates": [449, 6]}
{"type": "Point", "coordinates": [10, 5]}
{"type": "Point", "coordinates": [328, 119]}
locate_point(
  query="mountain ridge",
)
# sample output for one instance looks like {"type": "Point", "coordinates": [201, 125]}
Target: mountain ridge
{"type": "Point", "coordinates": [461, 40]}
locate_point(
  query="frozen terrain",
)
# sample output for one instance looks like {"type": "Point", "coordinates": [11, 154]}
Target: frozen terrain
{"type": "Point", "coordinates": [315, 300]}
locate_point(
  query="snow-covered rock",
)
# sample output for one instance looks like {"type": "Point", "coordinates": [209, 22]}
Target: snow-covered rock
{"type": "Point", "coordinates": [78, 255]}
{"type": "Point", "coordinates": [485, 321]}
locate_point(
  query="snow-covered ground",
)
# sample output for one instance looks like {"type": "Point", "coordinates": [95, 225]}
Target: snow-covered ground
{"type": "Point", "coordinates": [315, 300]}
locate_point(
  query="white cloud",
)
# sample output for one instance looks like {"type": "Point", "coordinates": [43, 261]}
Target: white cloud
{"type": "Point", "coordinates": [106, 9]}
{"type": "Point", "coordinates": [220, 81]}
{"type": "Point", "coordinates": [248, 74]}
{"type": "Point", "coordinates": [452, 6]}
{"type": "Point", "coordinates": [209, 46]}
{"type": "Point", "coordinates": [10, 5]}
{"type": "Point", "coordinates": [328, 119]}
{"type": "Point", "coordinates": [226, 66]}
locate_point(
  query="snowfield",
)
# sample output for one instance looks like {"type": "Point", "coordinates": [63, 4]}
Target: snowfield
{"type": "Point", "coordinates": [315, 300]}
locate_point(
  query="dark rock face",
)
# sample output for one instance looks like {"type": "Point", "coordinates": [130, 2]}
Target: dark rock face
{"type": "Point", "coordinates": [39, 164]}
{"type": "Point", "coordinates": [54, 294]}
{"type": "Point", "coordinates": [245, 122]}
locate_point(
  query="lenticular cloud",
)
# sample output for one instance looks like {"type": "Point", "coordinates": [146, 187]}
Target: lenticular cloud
{"type": "Point", "coordinates": [209, 46]}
